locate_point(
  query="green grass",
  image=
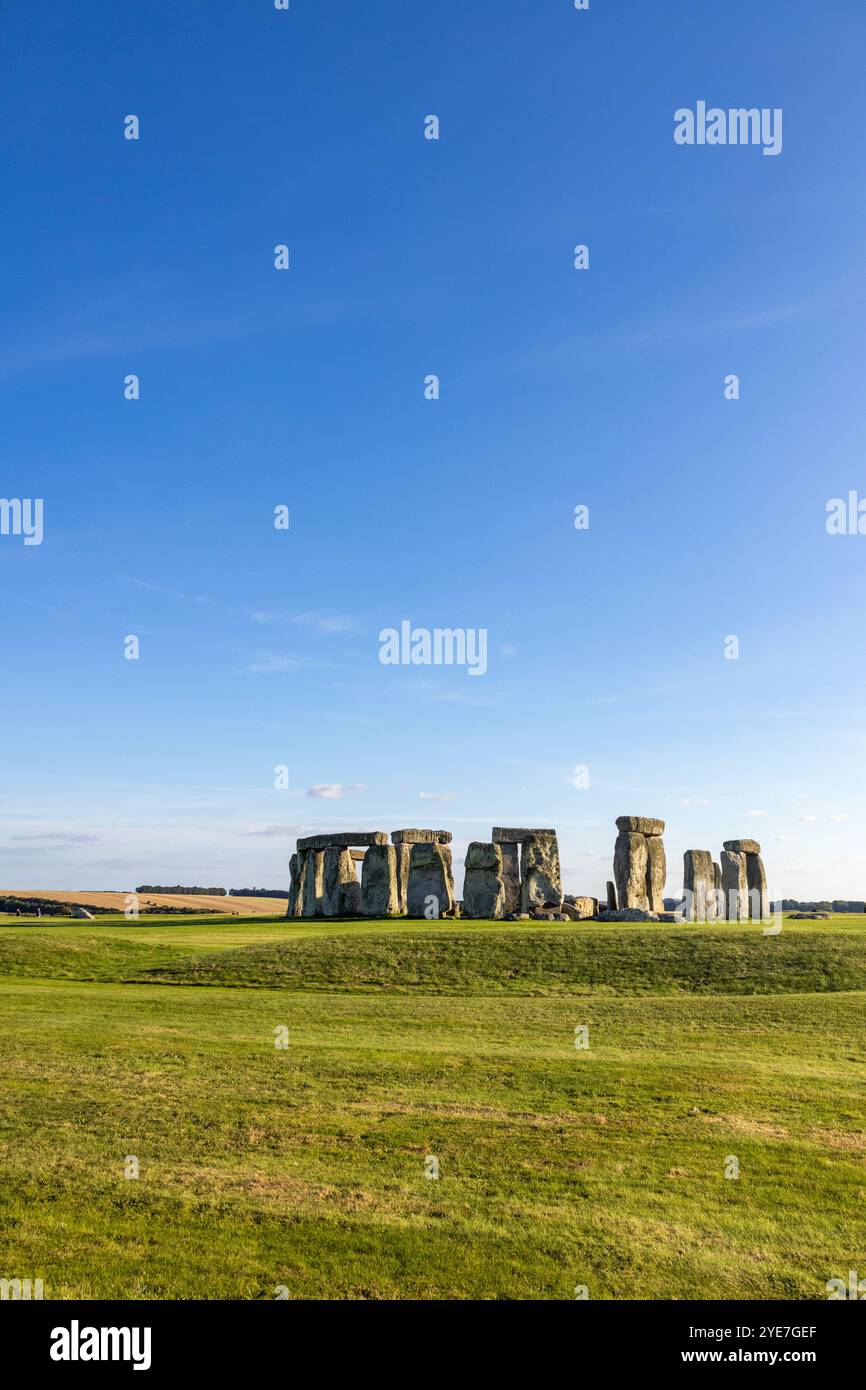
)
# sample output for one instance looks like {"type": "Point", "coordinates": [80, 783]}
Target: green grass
{"type": "Point", "coordinates": [304, 1167]}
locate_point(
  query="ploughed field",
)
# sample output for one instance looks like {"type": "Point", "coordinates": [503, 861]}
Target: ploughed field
{"type": "Point", "coordinates": [302, 1167]}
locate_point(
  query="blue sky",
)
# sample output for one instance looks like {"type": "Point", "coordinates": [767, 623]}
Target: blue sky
{"type": "Point", "coordinates": [306, 388]}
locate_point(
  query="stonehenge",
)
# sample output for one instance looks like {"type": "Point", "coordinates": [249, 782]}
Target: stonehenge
{"type": "Point", "coordinates": [639, 864]}
{"type": "Point", "coordinates": [516, 872]}
{"type": "Point", "coordinates": [516, 875]}
{"type": "Point", "coordinates": [734, 889]}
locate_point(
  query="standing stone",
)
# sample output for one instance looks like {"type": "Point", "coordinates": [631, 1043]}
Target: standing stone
{"type": "Point", "coordinates": [511, 874]}
{"type": "Point", "coordinates": [699, 886]}
{"type": "Point", "coordinates": [379, 882]}
{"type": "Point", "coordinates": [431, 881]}
{"type": "Point", "coordinates": [483, 886]}
{"type": "Point", "coordinates": [630, 865]}
{"type": "Point", "coordinates": [611, 896]}
{"type": "Point", "coordinates": [720, 891]}
{"type": "Point", "coordinates": [756, 883]}
{"type": "Point", "coordinates": [541, 880]}
{"type": "Point", "coordinates": [341, 891]}
{"type": "Point", "coordinates": [656, 873]}
{"type": "Point", "coordinates": [735, 886]}
{"type": "Point", "coordinates": [314, 882]}
{"type": "Point", "coordinates": [402, 851]}
{"type": "Point", "coordinates": [294, 905]}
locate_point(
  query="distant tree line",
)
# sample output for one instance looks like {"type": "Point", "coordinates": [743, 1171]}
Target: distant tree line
{"type": "Point", "coordinates": [837, 905]}
{"type": "Point", "coordinates": [178, 888]}
{"type": "Point", "coordinates": [259, 893]}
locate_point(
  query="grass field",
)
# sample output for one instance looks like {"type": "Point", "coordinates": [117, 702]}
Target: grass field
{"type": "Point", "coordinates": [304, 1166]}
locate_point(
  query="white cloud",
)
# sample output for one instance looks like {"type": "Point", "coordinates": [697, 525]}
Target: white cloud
{"type": "Point", "coordinates": [333, 791]}
{"type": "Point", "coordinates": [436, 796]}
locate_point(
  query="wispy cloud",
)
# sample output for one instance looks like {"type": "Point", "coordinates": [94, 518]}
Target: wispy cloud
{"type": "Point", "coordinates": [320, 622]}
{"type": "Point", "coordinates": [60, 838]}
{"type": "Point", "coordinates": [166, 589]}
{"type": "Point", "coordinates": [274, 663]}
{"type": "Point", "coordinates": [436, 796]}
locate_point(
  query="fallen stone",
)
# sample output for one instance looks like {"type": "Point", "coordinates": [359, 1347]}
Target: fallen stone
{"type": "Point", "coordinates": [343, 839]}
{"type": "Point", "coordinates": [583, 908]}
{"type": "Point", "coordinates": [483, 888]}
{"type": "Point", "coordinates": [735, 886]}
{"type": "Point", "coordinates": [742, 846]}
{"type": "Point", "coordinates": [630, 861]}
{"type": "Point", "coordinates": [699, 885]}
{"type": "Point", "coordinates": [79, 911]}
{"type": "Point", "coordinates": [541, 880]}
{"type": "Point", "coordinates": [420, 837]}
{"type": "Point", "coordinates": [641, 825]}
{"type": "Point", "coordinates": [630, 914]}
{"type": "Point", "coordinates": [430, 891]}
{"type": "Point", "coordinates": [671, 917]}
{"type": "Point", "coordinates": [379, 882]}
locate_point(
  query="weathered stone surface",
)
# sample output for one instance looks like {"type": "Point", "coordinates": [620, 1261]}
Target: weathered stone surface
{"type": "Point", "coordinates": [699, 885]}
{"type": "Point", "coordinates": [79, 911]}
{"type": "Point", "coordinates": [483, 855]}
{"type": "Point", "coordinates": [641, 825]}
{"type": "Point", "coordinates": [720, 891]}
{"type": "Point", "coordinates": [403, 853]}
{"type": "Point", "coordinates": [656, 873]}
{"type": "Point", "coordinates": [540, 876]}
{"type": "Point", "coordinates": [611, 896]}
{"type": "Point", "coordinates": [295, 903]}
{"type": "Point", "coordinates": [631, 914]}
{"type": "Point", "coordinates": [671, 917]}
{"type": "Point", "coordinates": [343, 839]}
{"type": "Point", "coordinates": [420, 837]}
{"type": "Point", "coordinates": [580, 909]}
{"type": "Point", "coordinates": [379, 882]}
{"type": "Point", "coordinates": [735, 886]}
{"type": "Point", "coordinates": [341, 891]}
{"type": "Point", "coordinates": [430, 891]}
{"type": "Point", "coordinates": [314, 869]}
{"type": "Point", "coordinates": [516, 837]}
{"type": "Point", "coordinates": [358, 855]}
{"type": "Point", "coordinates": [742, 846]}
{"type": "Point", "coordinates": [483, 888]}
{"type": "Point", "coordinates": [756, 883]}
{"type": "Point", "coordinates": [630, 861]}
{"type": "Point", "coordinates": [511, 874]}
